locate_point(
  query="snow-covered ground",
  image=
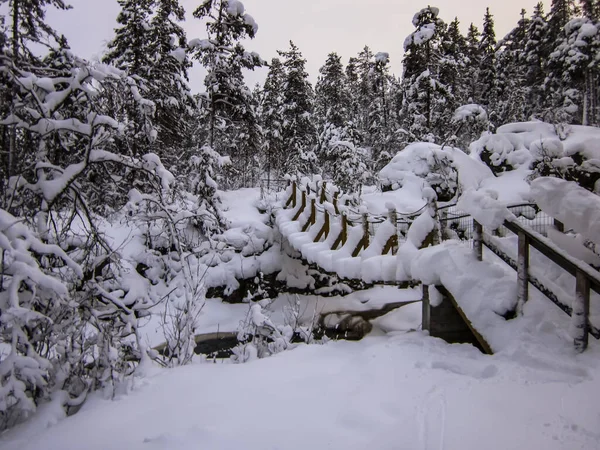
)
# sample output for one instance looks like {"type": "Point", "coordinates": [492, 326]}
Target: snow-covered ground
{"type": "Point", "coordinates": [405, 391]}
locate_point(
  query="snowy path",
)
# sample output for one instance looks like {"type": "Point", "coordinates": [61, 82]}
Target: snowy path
{"type": "Point", "coordinates": [401, 392]}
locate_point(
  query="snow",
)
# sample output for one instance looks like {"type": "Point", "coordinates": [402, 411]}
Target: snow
{"type": "Point", "coordinates": [485, 208]}
{"type": "Point", "coordinates": [471, 112]}
{"type": "Point", "coordinates": [179, 54]}
{"type": "Point", "coordinates": [566, 201]}
{"type": "Point", "coordinates": [382, 57]}
{"type": "Point", "coordinates": [420, 36]}
{"type": "Point", "coordinates": [235, 8]}
{"type": "Point", "coordinates": [405, 391]}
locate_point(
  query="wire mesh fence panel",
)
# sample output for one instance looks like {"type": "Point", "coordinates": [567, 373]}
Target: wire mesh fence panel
{"type": "Point", "coordinates": [457, 224]}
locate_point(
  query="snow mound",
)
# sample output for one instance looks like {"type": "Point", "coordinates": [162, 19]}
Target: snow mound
{"type": "Point", "coordinates": [576, 207]}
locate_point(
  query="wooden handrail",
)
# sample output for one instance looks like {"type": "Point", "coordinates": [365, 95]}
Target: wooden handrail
{"type": "Point", "coordinates": [556, 254]}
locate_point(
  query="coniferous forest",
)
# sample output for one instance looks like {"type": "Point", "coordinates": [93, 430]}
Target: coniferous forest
{"type": "Point", "coordinates": [85, 146]}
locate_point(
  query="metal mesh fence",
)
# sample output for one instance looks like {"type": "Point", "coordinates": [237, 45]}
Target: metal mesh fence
{"type": "Point", "coordinates": [457, 224]}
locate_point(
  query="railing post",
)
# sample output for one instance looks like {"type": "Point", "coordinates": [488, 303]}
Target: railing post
{"type": "Point", "coordinates": [335, 202]}
{"type": "Point", "coordinates": [436, 238]}
{"type": "Point", "coordinates": [478, 240]}
{"type": "Point", "coordinates": [443, 216]}
{"type": "Point", "coordinates": [425, 310]}
{"type": "Point", "coordinates": [522, 272]}
{"type": "Point", "coordinates": [364, 242]}
{"type": "Point", "coordinates": [313, 213]}
{"type": "Point", "coordinates": [292, 199]}
{"type": "Point", "coordinates": [302, 207]}
{"type": "Point", "coordinates": [323, 191]}
{"type": "Point", "coordinates": [392, 242]}
{"type": "Point", "coordinates": [343, 236]}
{"type": "Point", "coordinates": [324, 231]}
{"type": "Point", "coordinates": [365, 218]}
{"type": "Point", "coordinates": [581, 312]}
{"type": "Point", "coordinates": [559, 225]}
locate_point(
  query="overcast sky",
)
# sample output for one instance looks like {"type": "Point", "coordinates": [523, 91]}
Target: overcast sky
{"type": "Point", "coordinates": [318, 27]}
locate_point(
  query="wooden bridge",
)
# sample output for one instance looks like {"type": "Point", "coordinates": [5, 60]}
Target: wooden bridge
{"type": "Point", "coordinates": [341, 237]}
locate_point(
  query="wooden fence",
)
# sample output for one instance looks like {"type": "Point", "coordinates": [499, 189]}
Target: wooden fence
{"type": "Point", "coordinates": [323, 198]}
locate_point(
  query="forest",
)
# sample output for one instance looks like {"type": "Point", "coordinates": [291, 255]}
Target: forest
{"type": "Point", "coordinates": [88, 146]}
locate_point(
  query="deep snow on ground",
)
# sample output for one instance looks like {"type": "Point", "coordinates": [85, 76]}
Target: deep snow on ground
{"type": "Point", "coordinates": [407, 391]}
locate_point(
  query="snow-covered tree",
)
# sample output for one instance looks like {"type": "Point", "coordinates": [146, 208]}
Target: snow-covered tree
{"type": "Point", "coordinates": [229, 117]}
{"type": "Point", "coordinates": [487, 79]}
{"type": "Point", "coordinates": [534, 58]}
{"type": "Point", "coordinates": [272, 120]}
{"type": "Point", "coordinates": [129, 51]}
{"type": "Point", "coordinates": [425, 96]}
{"type": "Point", "coordinates": [167, 82]}
{"type": "Point", "coordinates": [298, 130]}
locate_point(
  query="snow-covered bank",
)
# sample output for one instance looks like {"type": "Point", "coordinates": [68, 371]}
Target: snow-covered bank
{"type": "Point", "coordinates": [402, 392]}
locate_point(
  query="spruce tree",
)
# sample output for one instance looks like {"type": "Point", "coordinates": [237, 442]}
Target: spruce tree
{"type": "Point", "coordinates": [272, 120]}
{"type": "Point", "coordinates": [487, 79]}
{"type": "Point", "coordinates": [474, 56]}
{"type": "Point", "coordinates": [129, 51]}
{"type": "Point", "coordinates": [298, 131]}
{"type": "Point", "coordinates": [425, 96]}
{"type": "Point", "coordinates": [168, 81]}
{"type": "Point", "coordinates": [534, 59]}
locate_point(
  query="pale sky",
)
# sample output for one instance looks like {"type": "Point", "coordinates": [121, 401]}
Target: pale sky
{"type": "Point", "coordinates": [317, 27]}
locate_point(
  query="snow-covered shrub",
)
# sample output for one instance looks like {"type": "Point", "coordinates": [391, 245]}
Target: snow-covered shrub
{"type": "Point", "coordinates": [259, 337]}
{"type": "Point", "coordinates": [500, 153]}
{"type": "Point", "coordinates": [179, 321]}
{"type": "Point", "coordinates": [34, 305]}
{"type": "Point", "coordinates": [422, 164]}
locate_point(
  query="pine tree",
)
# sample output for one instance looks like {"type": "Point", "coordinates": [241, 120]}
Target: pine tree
{"type": "Point", "coordinates": [167, 82]}
{"type": "Point", "coordinates": [562, 86]}
{"type": "Point", "coordinates": [331, 93]}
{"type": "Point", "coordinates": [474, 56]}
{"type": "Point", "coordinates": [425, 96]}
{"type": "Point", "coordinates": [298, 132]}
{"type": "Point", "coordinates": [129, 51]}
{"type": "Point", "coordinates": [453, 71]}
{"type": "Point", "coordinates": [340, 156]}
{"type": "Point", "coordinates": [223, 57]}
{"type": "Point", "coordinates": [534, 59]}
{"type": "Point", "coordinates": [26, 27]}
{"type": "Point", "coordinates": [511, 74]}
{"type": "Point", "coordinates": [487, 80]}
{"type": "Point", "coordinates": [228, 114]}
{"type": "Point", "coordinates": [591, 9]}
{"type": "Point", "coordinates": [272, 120]}
{"type": "Point", "coordinates": [381, 129]}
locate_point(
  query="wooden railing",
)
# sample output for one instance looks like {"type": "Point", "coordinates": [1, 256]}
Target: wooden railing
{"type": "Point", "coordinates": [316, 195]}
{"type": "Point", "coordinates": [586, 277]}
